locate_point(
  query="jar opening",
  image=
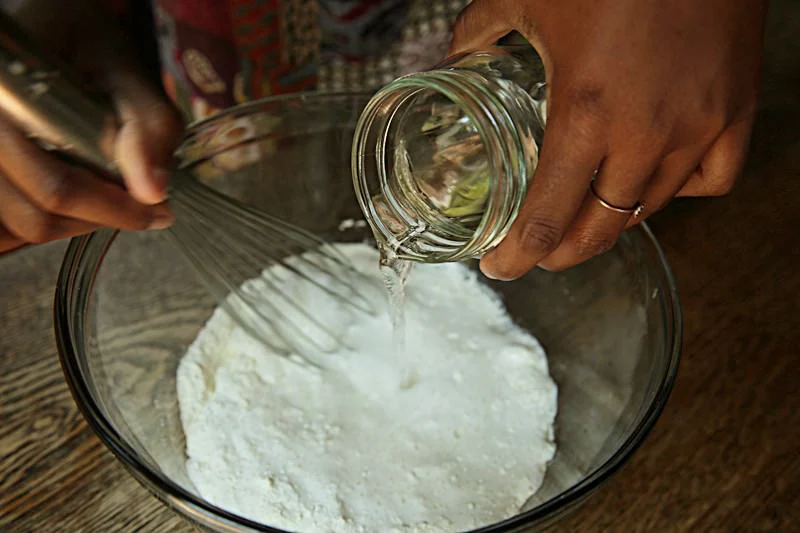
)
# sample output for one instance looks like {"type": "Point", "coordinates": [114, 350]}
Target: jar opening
{"type": "Point", "coordinates": [437, 165]}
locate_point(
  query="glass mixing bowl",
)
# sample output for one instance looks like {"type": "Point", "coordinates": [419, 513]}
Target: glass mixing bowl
{"type": "Point", "coordinates": [128, 305]}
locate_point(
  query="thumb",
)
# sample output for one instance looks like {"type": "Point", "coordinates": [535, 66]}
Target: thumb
{"type": "Point", "coordinates": [150, 130]}
{"type": "Point", "coordinates": [479, 25]}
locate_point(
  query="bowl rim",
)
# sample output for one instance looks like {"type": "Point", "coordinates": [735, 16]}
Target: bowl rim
{"type": "Point", "coordinates": [176, 496]}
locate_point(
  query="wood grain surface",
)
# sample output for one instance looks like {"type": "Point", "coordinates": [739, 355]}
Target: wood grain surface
{"type": "Point", "coordinates": [725, 455]}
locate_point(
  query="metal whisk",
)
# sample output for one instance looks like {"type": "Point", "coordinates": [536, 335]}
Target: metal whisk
{"type": "Point", "coordinates": [225, 240]}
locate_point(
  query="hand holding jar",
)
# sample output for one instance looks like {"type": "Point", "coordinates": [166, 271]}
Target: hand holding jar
{"type": "Point", "coordinates": [647, 100]}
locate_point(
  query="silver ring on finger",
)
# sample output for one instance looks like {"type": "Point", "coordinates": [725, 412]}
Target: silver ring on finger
{"type": "Point", "coordinates": [633, 210]}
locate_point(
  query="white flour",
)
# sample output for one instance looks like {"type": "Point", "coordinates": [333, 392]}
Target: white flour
{"type": "Point", "coordinates": [453, 434]}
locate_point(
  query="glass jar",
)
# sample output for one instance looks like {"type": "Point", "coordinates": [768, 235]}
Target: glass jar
{"type": "Point", "coordinates": [441, 159]}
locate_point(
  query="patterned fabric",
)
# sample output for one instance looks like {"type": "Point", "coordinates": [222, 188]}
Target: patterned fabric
{"type": "Point", "coordinates": [216, 53]}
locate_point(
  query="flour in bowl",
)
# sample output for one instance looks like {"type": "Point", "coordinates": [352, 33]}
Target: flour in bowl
{"type": "Point", "coordinates": [451, 434]}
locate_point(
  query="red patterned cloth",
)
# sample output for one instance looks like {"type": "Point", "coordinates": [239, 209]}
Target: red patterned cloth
{"type": "Point", "coordinates": [216, 53]}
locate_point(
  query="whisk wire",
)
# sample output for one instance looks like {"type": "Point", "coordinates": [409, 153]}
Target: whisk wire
{"type": "Point", "coordinates": [224, 290]}
{"type": "Point", "coordinates": [225, 239]}
{"type": "Point", "coordinates": [333, 264]}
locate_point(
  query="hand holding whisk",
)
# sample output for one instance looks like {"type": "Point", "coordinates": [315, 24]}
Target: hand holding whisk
{"type": "Point", "coordinates": [225, 241]}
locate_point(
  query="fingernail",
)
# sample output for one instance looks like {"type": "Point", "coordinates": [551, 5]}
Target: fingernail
{"type": "Point", "coordinates": [492, 275]}
{"type": "Point", "coordinates": [161, 221]}
{"type": "Point", "coordinates": [161, 179]}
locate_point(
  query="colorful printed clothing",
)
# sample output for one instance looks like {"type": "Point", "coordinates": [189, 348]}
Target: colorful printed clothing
{"type": "Point", "coordinates": [217, 53]}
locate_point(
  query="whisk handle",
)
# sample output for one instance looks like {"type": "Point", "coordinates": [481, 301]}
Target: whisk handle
{"type": "Point", "coordinates": [48, 104]}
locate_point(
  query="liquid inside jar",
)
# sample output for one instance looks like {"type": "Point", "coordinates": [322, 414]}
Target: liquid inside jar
{"type": "Point", "coordinates": [453, 150]}
{"type": "Point", "coordinates": [454, 174]}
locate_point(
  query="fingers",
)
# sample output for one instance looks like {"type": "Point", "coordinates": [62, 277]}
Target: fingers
{"type": "Point", "coordinates": [478, 25]}
{"type": "Point", "coordinates": [649, 179]}
{"type": "Point", "coordinates": [150, 126]}
{"type": "Point", "coordinates": [722, 163]}
{"type": "Point", "coordinates": [620, 183]}
{"type": "Point", "coordinates": [571, 152]}
{"type": "Point", "coordinates": [149, 133]}
{"type": "Point", "coordinates": [23, 222]}
{"type": "Point", "coordinates": [43, 198]}
{"type": "Point", "coordinates": [672, 173]}
{"type": "Point", "coordinates": [8, 241]}
{"type": "Point", "coordinates": [37, 181]}
{"type": "Point", "coordinates": [87, 36]}
{"type": "Point", "coordinates": [698, 170]}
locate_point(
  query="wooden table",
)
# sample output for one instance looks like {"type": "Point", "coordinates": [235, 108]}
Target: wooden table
{"type": "Point", "coordinates": [725, 456]}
